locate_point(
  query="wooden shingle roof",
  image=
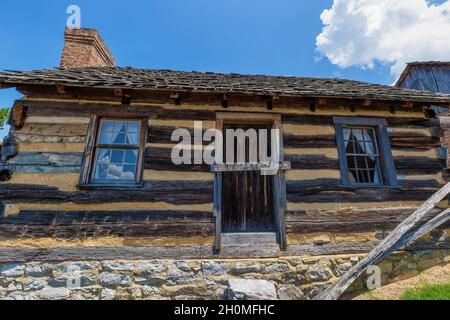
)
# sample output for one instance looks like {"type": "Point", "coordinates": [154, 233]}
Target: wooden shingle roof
{"type": "Point", "coordinates": [133, 78]}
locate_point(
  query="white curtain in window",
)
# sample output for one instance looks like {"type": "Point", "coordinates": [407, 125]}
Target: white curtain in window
{"type": "Point", "coordinates": [132, 138]}
{"type": "Point", "coordinates": [368, 147]}
{"type": "Point", "coordinates": [130, 129]}
{"type": "Point", "coordinates": [347, 136]}
{"type": "Point", "coordinates": [119, 132]}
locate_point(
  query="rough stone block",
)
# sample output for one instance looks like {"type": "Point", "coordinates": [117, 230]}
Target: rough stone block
{"type": "Point", "coordinates": [154, 281]}
{"type": "Point", "coordinates": [113, 280]}
{"type": "Point", "coordinates": [32, 285]}
{"type": "Point", "coordinates": [12, 270]}
{"type": "Point", "coordinates": [108, 294]}
{"type": "Point", "coordinates": [248, 289]}
{"type": "Point", "coordinates": [149, 267]}
{"type": "Point", "coordinates": [319, 273]}
{"type": "Point", "coordinates": [290, 292]}
{"type": "Point", "coordinates": [82, 265]}
{"type": "Point", "coordinates": [242, 268]}
{"type": "Point", "coordinates": [118, 266]}
{"type": "Point", "coordinates": [215, 268]}
{"type": "Point", "coordinates": [54, 294]}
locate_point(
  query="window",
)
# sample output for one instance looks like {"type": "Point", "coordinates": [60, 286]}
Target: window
{"type": "Point", "coordinates": [361, 151]}
{"type": "Point", "coordinates": [364, 153]}
{"type": "Point", "coordinates": [114, 152]}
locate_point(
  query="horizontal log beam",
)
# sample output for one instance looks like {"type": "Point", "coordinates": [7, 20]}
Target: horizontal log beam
{"type": "Point", "coordinates": [327, 120]}
{"type": "Point", "coordinates": [174, 192]}
{"type": "Point", "coordinates": [347, 220]}
{"type": "Point", "coordinates": [26, 138]}
{"type": "Point", "coordinates": [310, 141]}
{"type": "Point", "coordinates": [311, 161]}
{"type": "Point", "coordinates": [54, 159]}
{"type": "Point", "coordinates": [63, 130]}
{"type": "Point", "coordinates": [296, 193]}
{"type": "Point", "coordinates": [77, 109]}
{"type": "Point", "coordinates": [192, 252]}
{"type": "Point", "coordinates": [126, 230]}
{"type": "Point", "coordinates": [418, 165]}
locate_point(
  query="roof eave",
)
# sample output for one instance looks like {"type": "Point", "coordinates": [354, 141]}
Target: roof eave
{"type": "Point", "coordinates": [431, 100]}
{"type": "Point", "coordinates": [403, 76]}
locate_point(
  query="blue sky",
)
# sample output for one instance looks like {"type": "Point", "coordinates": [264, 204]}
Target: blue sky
{"type": "Point", "coordinates": [242, 36]}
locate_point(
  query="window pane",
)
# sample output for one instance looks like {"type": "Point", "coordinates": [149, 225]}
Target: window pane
{"type": "Point", "coordinates": [362, 156]}
{"type": "Point", "coordinates": [347, 133]}
{"type": "Point", "coordinates": [119, 132]}
{"type": "Point", "coordinates": [117, 156]}
{"type": "Point", "coordinates": [120, 126]}
{"type": "Point", "coordinates": [113, 164]}
{"type": "Point", "coordinates": [352, 177]}
{"type": "Point", "coordinates": [131, 156]}
{"type": "Point", "coordinates": [128, 172]}
{"type": "Point", "coordinates": [107, 126]}
{"type": "Point", "coordinates": [106, 138]}
{"type": "Point", "coordinates": [133, 126]}
{"type": "Point", "coordinates": [120, 138]}
{"type": "Point", "coordinates": [377, 174]}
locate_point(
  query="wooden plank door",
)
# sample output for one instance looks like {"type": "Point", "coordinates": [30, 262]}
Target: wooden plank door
{"type": "Point", "coordinates": [247, 204]}
{"type": "Point", "coordinates": [247, 197]}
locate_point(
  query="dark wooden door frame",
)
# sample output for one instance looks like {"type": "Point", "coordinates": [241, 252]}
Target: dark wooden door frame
{"type": "Point", "coordinates": [279, 196]}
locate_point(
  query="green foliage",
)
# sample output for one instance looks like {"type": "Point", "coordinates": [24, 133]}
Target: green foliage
{"type": "Point", "coordinates": [4, 112]}
{"type": "Point", "coordinates": [428, 292]}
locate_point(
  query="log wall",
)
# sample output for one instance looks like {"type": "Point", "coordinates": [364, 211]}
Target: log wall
{"type": "Point", "coordinates": [41, 200]}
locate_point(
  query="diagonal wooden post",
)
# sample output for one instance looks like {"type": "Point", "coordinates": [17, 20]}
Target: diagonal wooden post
{"type": "Point", "coordinates": [430, 225]}
{"type": "Point", "coordinates": [416, 233]}
{"type": "Point", "coordinates": [334, 291]}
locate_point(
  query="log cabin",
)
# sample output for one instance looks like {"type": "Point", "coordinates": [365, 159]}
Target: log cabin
{"type": "Point", "coordinates": [87, 167]}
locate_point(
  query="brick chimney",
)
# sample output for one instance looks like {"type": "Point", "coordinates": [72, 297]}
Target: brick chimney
{"type": "Point", "coordinates": [85, 48]}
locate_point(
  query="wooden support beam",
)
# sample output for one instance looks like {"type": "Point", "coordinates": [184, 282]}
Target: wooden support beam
{"type": "Point", "coordinates": [367, 102]}
{"type": "Point", "coordinates": [384, 247]}
{"type": "Point", "coordinates": [4, 85]}
{"type": "Point", "coordinates": [321, 102]}
{"type": "Point", "coordinates": [225, 99]}
{"type": "Point", "coordinates": [17, 115]}
{"type": "Point", "coordinates": [392, 109]}
{"type": "Point", "coordinates": [60, 89]}
{"type": "Point", "coordinates": [218, 211]}
{"type": "Point", "coordinates": [126, 100]}
{"type": "Point", "coordinates": [118, 92]}
{"type": "Point", "coordinates": [176, 97]}
{"type": "Point", "coordinates": [430, 113]}
{"type": "Point", "coordinates": [271, 100]}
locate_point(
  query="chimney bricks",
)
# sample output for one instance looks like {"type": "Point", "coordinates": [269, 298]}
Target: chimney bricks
{"type": "Point", "coordinates": [85, 48]}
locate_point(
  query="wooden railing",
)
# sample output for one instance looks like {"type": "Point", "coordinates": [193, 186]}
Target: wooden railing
{"type": "Point", "coordinates": [402, 235]}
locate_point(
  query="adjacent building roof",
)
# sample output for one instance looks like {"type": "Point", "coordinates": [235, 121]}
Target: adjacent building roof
{"type": "Point", "coordinates": [132, 78]}
{"type": "Point", "coordinates": [426, 75]}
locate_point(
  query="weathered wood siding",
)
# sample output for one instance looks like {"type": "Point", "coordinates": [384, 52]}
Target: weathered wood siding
{"type": "Point", "coordinates": [41, 198]}
{"type": "Point", "coordinates": [429, 77]}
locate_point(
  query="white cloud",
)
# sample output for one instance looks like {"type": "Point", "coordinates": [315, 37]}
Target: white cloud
{"type": "Point", "coordinates": [362, 32]}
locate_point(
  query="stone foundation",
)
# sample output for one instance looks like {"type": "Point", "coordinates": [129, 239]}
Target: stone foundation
{"type": "Point", "coordinates": [283, 278]}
